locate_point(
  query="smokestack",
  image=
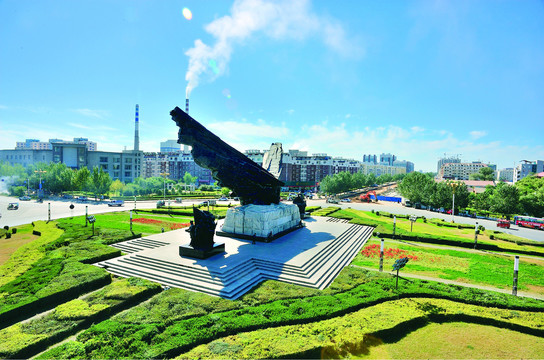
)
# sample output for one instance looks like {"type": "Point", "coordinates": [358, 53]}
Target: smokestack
{"type": "Point", "coordinates": [187, 105]}
{"type": "Point", "coordinates": [137, 131]}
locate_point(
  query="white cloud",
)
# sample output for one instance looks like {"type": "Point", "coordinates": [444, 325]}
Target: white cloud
{"type": "Point", "coordinates": [348, 116]}
{"type": "Point", "coordinates": [477, 134]}
{"type": "Point", "coordinates": [3, 107]}
{"type": "Point", "coordinates": [292, 19]}
{"type": "Point", "coordinates": [290, 111]}
{"type": "Point", "coordinates": [99, 114]}
{"type": "Point", "coordinates": [246, 135]}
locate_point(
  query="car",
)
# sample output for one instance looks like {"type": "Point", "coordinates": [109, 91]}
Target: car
{"type": "Point", "coordinates": [13, 206]}
{"type": "Point", "coordinates": [160, 204]}
{"type": "Point", "coordinates": [204, 203]}
{"type": "Point", "coordinates": [24, 198]}
{"type": "Point", "coordinates": [223, 199]}
{"type": "Point", "coordinates": [116, 203]}
{"type": "Point", "coordinates": [346, 200]}
{"type": "Point", "coordinates": [503, 223]}
{"type": "Point", "coordinates": [82, 198]}
{"type": "Point", "coordinates": [332, 200]}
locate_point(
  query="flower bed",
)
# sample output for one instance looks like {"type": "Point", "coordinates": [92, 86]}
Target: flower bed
{"type": "Point", "coordinates": [167, 224]}
{"type": "Point", "coordinates": [389, 253]}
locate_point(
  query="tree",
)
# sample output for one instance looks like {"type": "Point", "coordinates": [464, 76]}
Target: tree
{"type": "Point", "coordinates": [484, 174]}
{"type": "Point", "coordinates": [116, 186]}
{"type": "Point", "coordinates": [505, 199]}
{"type": "Point", "coordinates": [189, 179]}
{"type": "Point", "coordinates": [81, 179]}
{"type": "Point", "coordinates": [225, 191]}
{"type": "Point", "coordinates": [413, 186]}
{"type": "Point", "coordinates": [100, 181]}
{"type": "Point", "coordinates": [531, 195]}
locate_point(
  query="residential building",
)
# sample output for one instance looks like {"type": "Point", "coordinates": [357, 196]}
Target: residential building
{"type": "Point", "coordinates": [447, 160]}
{"type": "Point", "coordinates": [381, 169]}
{"type": "Point", "coordinates": [387, 159]}
{"type": "Point", "coordinates": [522, 170]}
{"type": "Point", "coordinates": [175, 164]}
{"type": "Point", "coordinates": [125, 166]}
{"type": "Point", "coordinates": [506, 175]}
{"type": "Point", "coordinates": [459, 171]}
{"type": "Point", "coordinates": [408, 165]}
{"type": "Point", "coordinates": [370, 159]}
{"type": "Point", "coordinates": [256, 155]}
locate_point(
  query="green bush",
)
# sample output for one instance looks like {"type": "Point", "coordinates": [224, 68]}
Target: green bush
{"type": "Point", "coordinates": [25, 340]}
{"type": "Point", "coordinates": [113, 338]}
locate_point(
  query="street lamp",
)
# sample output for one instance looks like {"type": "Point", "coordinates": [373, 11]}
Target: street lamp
{"type": "Point", "coordinates": [40, 183]}
{"type": "Point", "coordinates": [454, 185]}
{"type": "Point", "coordinates": [164, 174]}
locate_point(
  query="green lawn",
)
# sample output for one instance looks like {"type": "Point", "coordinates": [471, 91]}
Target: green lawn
{"type": "Point", "coordinates": [465, 266]}
{"type": "Point", "coordinates": [121, 221]}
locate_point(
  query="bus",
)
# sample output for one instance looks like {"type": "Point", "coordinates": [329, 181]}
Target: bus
{"type": "Point", "coordinates": [530, 222]}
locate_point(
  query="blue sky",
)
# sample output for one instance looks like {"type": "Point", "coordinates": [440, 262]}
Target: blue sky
{"type": "Point", "coordinates": [347, 78]}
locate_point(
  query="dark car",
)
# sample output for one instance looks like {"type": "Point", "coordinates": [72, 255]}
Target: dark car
{"type": "Point", "coordinates": [13, 206]}
{"type": "Point", "coordinates": [24, 198]}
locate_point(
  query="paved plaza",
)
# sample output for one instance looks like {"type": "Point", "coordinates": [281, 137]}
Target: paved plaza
{"type": "Point", "coordinates": [311, 256]}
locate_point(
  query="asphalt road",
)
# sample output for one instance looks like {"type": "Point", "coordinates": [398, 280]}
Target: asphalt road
{"type": "Point", "coordinates": [32, 211]}
{"type": "Point", "coordinates": [396, 208]}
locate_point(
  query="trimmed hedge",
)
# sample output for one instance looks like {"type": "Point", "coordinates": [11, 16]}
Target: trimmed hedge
{"type": "Point", "coordinates": [113, 339]}
{"type": "Point", "coordinates": [26, 340]}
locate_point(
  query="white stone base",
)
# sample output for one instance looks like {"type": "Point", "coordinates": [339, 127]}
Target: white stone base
{"type": "Point", "coordinates": [261, 220]}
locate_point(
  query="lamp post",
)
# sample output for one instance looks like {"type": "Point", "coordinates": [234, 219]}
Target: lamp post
{"type": "Point", "coordinates": [454, 186]}
{"type": "Point", "coordinates": [476, 235]}
{"type": "Point", "coordinates": [164, 175]}
{"type": "Point", "coordinates": [516, 269]}
{"type": "Point", "coordinates": [40, 183]}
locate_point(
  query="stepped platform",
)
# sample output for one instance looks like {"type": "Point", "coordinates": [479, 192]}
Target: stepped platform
{"type": "Point", "coordinates": [310, 256]}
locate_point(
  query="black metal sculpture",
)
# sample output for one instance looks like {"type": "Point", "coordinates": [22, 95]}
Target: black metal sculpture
{"type": "Point", "coordinates": [231, 168]}
{"type": "Point", "coordinates": [301, 203]}
{"type": "Point", "coordinates": [202, 231]}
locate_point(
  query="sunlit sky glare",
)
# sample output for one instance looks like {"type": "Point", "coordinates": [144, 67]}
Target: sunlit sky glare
{"type": "Point", "coordinates": [414, 78]}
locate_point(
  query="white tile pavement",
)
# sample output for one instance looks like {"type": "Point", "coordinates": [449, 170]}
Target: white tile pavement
{"type": "Point", "coordinates": [311, 256]}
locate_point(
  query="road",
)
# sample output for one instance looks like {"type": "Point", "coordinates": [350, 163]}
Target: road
{"type": "Point", "coordinates": [396, 208]}
{"type": "Point", "coordinates": [32, 211]}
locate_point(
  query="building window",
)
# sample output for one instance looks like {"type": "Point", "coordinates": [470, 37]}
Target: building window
{"type": "Point", "coordinates": [104, 166]}
{"type": "Point", "coordinates": [128, 167]}
{"type": "Point", "coordinates": [116, 167]}
{"type": "Point", "coordinates": [103, 159]}
{"type": "Point", "coordinates": [127, 174]}
{"type": "Point", "coordinates": [128, 160]}
{"type": "Point", "coordinates": [116, 160]}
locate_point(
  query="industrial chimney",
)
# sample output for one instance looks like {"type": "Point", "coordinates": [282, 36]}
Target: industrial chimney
{"type": "Point", "coordinates": [187, 105]}
{"type": "Point", "coordinates": [137, 131]}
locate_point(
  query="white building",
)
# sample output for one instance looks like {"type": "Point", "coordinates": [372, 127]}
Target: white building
{"type": "Point", "coordinates": [459, 171]}
{"type": "Point", "coordinates": [506, 175]}
{"type": "Point", "coordinates": [379, 169]}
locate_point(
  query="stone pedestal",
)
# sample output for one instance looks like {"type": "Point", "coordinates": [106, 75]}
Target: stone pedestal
{"type": "Point", "coordinates": [187, 250]}
{"type": "Point", "coordinates": [261, 221]}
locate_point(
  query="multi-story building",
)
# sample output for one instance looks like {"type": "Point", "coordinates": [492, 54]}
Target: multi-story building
{"type": "Point", "coordinates": [387, 159]}
{"type": "Point", "coordinates": [380, 169]}
{"type": "Point", "coordinates": [256, 155]}
{"type": "Point", "coordinates": [506, 175]}
{"type": "Point", "coordinates": [26, 157]}
{"type": "Point", "coordinates": [35, 144]}
{"type": "Point", "coordinates": [125, 166]}
{"type": "Point", "coordinates": [373, 159]}
{"type": "Point", "coordinates": [522, 170]}
{"type": "Point", "coordinates": [459, 171]}
{"type": "Point", "coordinates": [170, 146]}
{"type": "Point", "coordinates": [447, 160]}
{"type": "Point", "coordinates": [340, 164]}
{"type": "Point", "coordinates": [175, 165]}
{"type": "Point", "coordinates": [408, 165]}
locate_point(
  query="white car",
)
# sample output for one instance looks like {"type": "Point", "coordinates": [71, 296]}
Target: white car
{"type": "Point", "coordinates": [346, 200]}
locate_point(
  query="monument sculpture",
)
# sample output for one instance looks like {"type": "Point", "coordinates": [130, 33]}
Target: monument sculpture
{"type": "Point", "coordinates": [261, 216]}
{"type": "Point", "coordinates": [231, 168]}
{"type": "Point", "coordinates": [202, 232]}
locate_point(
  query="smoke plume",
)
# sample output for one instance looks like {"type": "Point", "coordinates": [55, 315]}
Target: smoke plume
{"type": "Point", "coordinates": [276, 19]}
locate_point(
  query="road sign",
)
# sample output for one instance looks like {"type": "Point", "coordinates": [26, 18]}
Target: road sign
{"type": "Point", "coordinates": [399, 264]}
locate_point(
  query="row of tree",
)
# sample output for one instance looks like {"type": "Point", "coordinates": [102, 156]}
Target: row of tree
{"type": "Point", "coordinates": [57, 178]}
{"type": "Point", "coordinates": [524, 197]}
{"type": "Point", "coordinates": [345, 181]}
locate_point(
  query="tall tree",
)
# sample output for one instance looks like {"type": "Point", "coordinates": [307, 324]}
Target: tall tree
{"type": "Point", "coordinates": [413, 186]}
{"type": "Point", "coordinates": [81, 179]}
{"type": "Point", "coordinates": [100, 181]}
{"type": "Point", "coordinates": [189, 179]}
{"type": "Point", "coordinates": [505, 199]}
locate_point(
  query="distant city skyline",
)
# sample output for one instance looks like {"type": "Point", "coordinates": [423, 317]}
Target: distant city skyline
{"type": "Point", "coordinates": [412, 78]}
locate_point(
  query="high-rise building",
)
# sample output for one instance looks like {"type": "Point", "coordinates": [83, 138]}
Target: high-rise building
{"type": "Point", "coordinates": [446, 160]}
{"type": "Point", "coordinates": [459, 171]}
{"type": "Point", "coordinates": [522, 170]}
{"type": "Point", "coordinates": [505, 175]}
{"type": "Point", "coordinates": [170, 146]}
{"type": "Point", "coordinates": [387, 159]}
